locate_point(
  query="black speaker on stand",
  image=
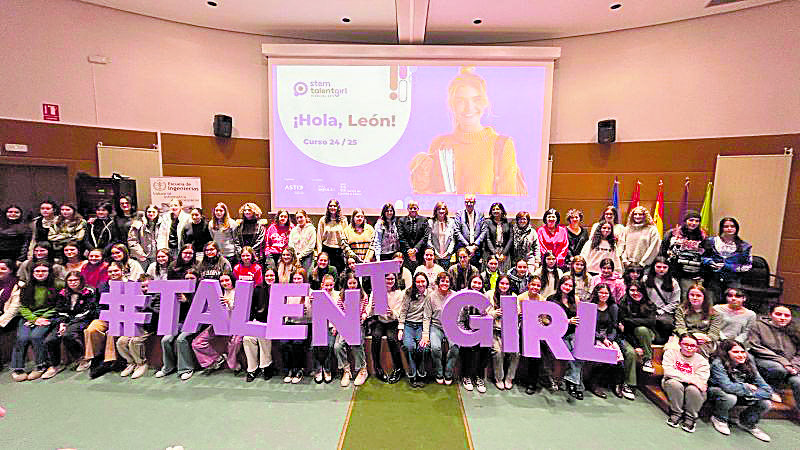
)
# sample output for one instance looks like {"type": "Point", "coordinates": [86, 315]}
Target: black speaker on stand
{"type": "Point", "coordinates": [606, 131]}
{"type": "Point", "coordinates": [223, 126]}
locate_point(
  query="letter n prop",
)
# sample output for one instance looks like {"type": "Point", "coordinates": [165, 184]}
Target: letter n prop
{"type": "Point", "coordinates": [377, 271]}
{"type": "Point", "coordinates": [481, 325]}
{"type": "Point", "coordinates": [534, 332]}
{"type": "Point", "coordinates": [346, 322]}
{"type": "Point", "coordinates": [278, 309]}
{"type": "Point", "coordinates": [584, 347]}
{"type": "Point", "coordinates": [207, 308]}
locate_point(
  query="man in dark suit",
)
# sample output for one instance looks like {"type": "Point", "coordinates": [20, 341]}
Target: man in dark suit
{"type": "Point", "coordinates": [413, 233]}
{"type": "Point", "coordinates": [470, 231]}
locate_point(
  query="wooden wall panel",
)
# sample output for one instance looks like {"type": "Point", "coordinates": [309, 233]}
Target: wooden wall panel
{"type": "Point", "coordinates": [70, 146]}
{"type": "Point", "coordinates": [212, 151]}
{"type": "Point", "coordinates": [233, 171]}
{"type": "Point", "coordinates": [583, 175]}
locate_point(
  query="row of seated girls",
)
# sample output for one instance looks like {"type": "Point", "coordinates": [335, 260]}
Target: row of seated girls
{"type": "Point", "coordinates": [647, 290]}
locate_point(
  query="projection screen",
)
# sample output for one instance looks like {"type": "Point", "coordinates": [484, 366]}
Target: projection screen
{"type": "Point", "coordinates": [370, 125]}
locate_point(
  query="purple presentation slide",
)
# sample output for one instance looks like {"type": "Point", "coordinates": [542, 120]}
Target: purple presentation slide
{"type": "Point", "coordinates": [369, 135]}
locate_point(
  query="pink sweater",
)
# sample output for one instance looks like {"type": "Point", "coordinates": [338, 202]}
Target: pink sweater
{"type": "Point", "coordinates": [277, 238]}
{"type": "Point", "coordinates": [557, 242]}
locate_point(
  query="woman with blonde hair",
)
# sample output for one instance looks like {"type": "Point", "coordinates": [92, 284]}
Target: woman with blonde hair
{"type": "Point", "coordinates": [250, 232]}
{"type": "Point", "coordinates": [222, 229]}
{"type": "Point", "coordinates": [358, 237]}
{"type": "Point", "coordinates": [640, 242]}
{"type": "Point", "coordinates": [473, 158]}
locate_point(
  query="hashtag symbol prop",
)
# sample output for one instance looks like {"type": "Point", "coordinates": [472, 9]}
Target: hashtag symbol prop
{"type": "Point", "coordinates": [124, 316]}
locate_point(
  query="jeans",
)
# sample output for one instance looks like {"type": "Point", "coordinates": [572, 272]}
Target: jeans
{"type": "Point", "coordinates": [33, 335]}
{"type": "Point", "coordinates": [178, 349]}
{"type": "Point", "coordinates": [437, 337]}
{"type": "Point", "coordinates": [340, 350]}
{"type": "Point", "coordinates": [412, 335]}
{"type": "Point", "coordinates": [684, 398]}
{"type": "Point", "coordinates": [722, 402]}
{"type": "Point", "coordinates": [573, 374]}
{"type": "Point", "coordinates": [776, 375]}
{"type": "Point", "coordinates": [453, 353]}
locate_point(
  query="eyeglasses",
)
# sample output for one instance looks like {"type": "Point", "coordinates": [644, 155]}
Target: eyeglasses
{"type": "Point", "coordinates": [688, 345]}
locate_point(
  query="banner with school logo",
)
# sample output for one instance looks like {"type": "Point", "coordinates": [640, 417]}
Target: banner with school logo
{"type": "Point", "coordinates": [186, 189]}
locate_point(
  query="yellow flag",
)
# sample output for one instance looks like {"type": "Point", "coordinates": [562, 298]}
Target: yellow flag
{"type": "Point", "coordinates": [658, 211]}
{"type": "Point", "coordinates": [705, 213]}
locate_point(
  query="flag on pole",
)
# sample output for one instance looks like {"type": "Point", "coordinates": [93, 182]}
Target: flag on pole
{"type": "Point", "coordinates": [705, 213]}
{"type": "Point", "coordinates": [684, 201]}
{"type": "Point", "coordinates": [635, 196]}
{"type": "Point", "coordinates": [615, 196]}
{"type": "Point", "coordinates": [658, 210]}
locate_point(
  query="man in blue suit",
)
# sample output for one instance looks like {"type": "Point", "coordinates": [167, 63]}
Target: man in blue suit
{"type": "Point", "coordinates": [470, 230]}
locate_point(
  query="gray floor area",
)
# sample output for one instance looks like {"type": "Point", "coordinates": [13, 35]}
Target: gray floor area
{"type": "Point", "coordinates": [515, 420]}
{"type": "Point", "coordinates": [220, 411]}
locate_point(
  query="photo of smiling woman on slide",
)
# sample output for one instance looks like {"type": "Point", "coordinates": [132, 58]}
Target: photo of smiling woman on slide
{"type": "Point", "coordinates": [473, 158]}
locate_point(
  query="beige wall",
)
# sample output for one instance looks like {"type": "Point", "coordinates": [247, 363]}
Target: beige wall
{"type": "Point", "coordinates": [728, 75]}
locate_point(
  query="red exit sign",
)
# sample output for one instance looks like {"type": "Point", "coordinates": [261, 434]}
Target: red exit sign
{"type": "Point", "coordinates": [51, 112]}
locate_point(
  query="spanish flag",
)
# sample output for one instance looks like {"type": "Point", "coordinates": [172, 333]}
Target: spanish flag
{"type": "Point", "coordinates": [658, 210]}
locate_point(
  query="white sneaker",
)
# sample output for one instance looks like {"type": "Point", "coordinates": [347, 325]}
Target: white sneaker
{"type": "Point", "coordinates": [140, 371]}
{"type": "Point", "coordinates": [297, 377]}
{"type": "Point", "coordinates": [467, 382]}
{"type": "Point", "coordinates": [480, 386]}
{"type": "Point", "coordinates": [720, 425]}
{"type": "Point", "coordinates": [346, 378]}
{"type": "Point", "coordinates": [361, 377]}
{"type": "Point", "coordinates": [759, 434]}
{"type": "Point", "coordinates": [161, 374]}
{"type": "Point", "coordinates": [51, 372]}
{"type": "Point", "coordinates": [647, 366]}
{"type": "Point", "coordinates": [288, 378]}
{"type": "Point", "coordinates": [186, 375]}
{"type": "Point", "coordinates": [127, 370]}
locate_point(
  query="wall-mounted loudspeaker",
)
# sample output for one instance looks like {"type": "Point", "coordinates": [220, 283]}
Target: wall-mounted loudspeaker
{"type": "Point", "coordinates": [607, 131]}
{"type": "Point", "coordinates": [223, 125]}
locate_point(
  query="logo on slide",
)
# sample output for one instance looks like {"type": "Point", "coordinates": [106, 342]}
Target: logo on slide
{"type": "Point", "coordinates": [300, 88]}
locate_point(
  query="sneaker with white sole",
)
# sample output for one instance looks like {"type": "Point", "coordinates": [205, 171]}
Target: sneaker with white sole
{"type": "Point", "coordinates": [19, 375]}
{"type": "Point", "coordinates": [346, 378]}
{"type": "Point", "coordinates": [361, 377]}
{"type": "Point", "coordinates": [187, 375]}
{"type": "Point", "coordinates": [128, 370]}
{"type": "Point", "coordinates": [627, 392]}
{"type": "Point", "coordinates": [140, 370]}
{"type": "Point", "coordinates": [720, 425]}
{"type": "Point", "coordinates": [674, 419]}
{"type": "Point", "coordinates": [509, 384]}
{"type": "Point", "coordinates": [288, 377]}
{"type": "Point", "coordinates": [480, 385]}
{"type": "Point", "coordinates": [298, 376]}
{"type": "Point", "coordinates": [689, 424]}
{"type": "Point", "coordinates": [162, 373]}
{"type": "Point", "coordinates": [467, 382]}
{"type": "Point", "coordinates": [759, 434]}
{"type": "Point", "coordinates": [647, 366]}
{"type": "Point", "coordinates": [328, 377]}
{"type": "Point", "coordinates": [35, 375]}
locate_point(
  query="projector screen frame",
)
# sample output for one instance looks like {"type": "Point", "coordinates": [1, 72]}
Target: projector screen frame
{"type": "Point", "coordinates": [370, 55]}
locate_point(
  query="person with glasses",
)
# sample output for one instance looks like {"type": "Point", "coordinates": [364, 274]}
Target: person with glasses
{"type": "Point", "coordinates": [685, 383]}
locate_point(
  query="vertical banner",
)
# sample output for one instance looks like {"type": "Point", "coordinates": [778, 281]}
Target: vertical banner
{"type": "Point", "coordinates": [186, 189]}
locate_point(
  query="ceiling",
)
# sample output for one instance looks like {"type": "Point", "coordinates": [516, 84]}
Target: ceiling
{"type": "Point", "coordinates": [427, 21]}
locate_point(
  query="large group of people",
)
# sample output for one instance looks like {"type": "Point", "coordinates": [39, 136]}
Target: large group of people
{"type": "Point", "coordinates": [681, 291]}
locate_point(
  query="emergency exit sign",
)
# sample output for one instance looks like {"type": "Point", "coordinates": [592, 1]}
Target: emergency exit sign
{"type": "Point", "coordinates": [50, 111]}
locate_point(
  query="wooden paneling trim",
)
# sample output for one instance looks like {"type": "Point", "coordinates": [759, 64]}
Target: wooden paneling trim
{"type": "Point", "coordinates": [233, 200]}
{"type": "Point", "coordinates": [663, 156]}
{"type": "Point", "coordinates": [788, 260]}
{"type": "Point", "coordinates": [222, 178]}
{"type": "Point", "coordinates": [791, 288]}
{"type": "Point", "coordinates": [209, 150]}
